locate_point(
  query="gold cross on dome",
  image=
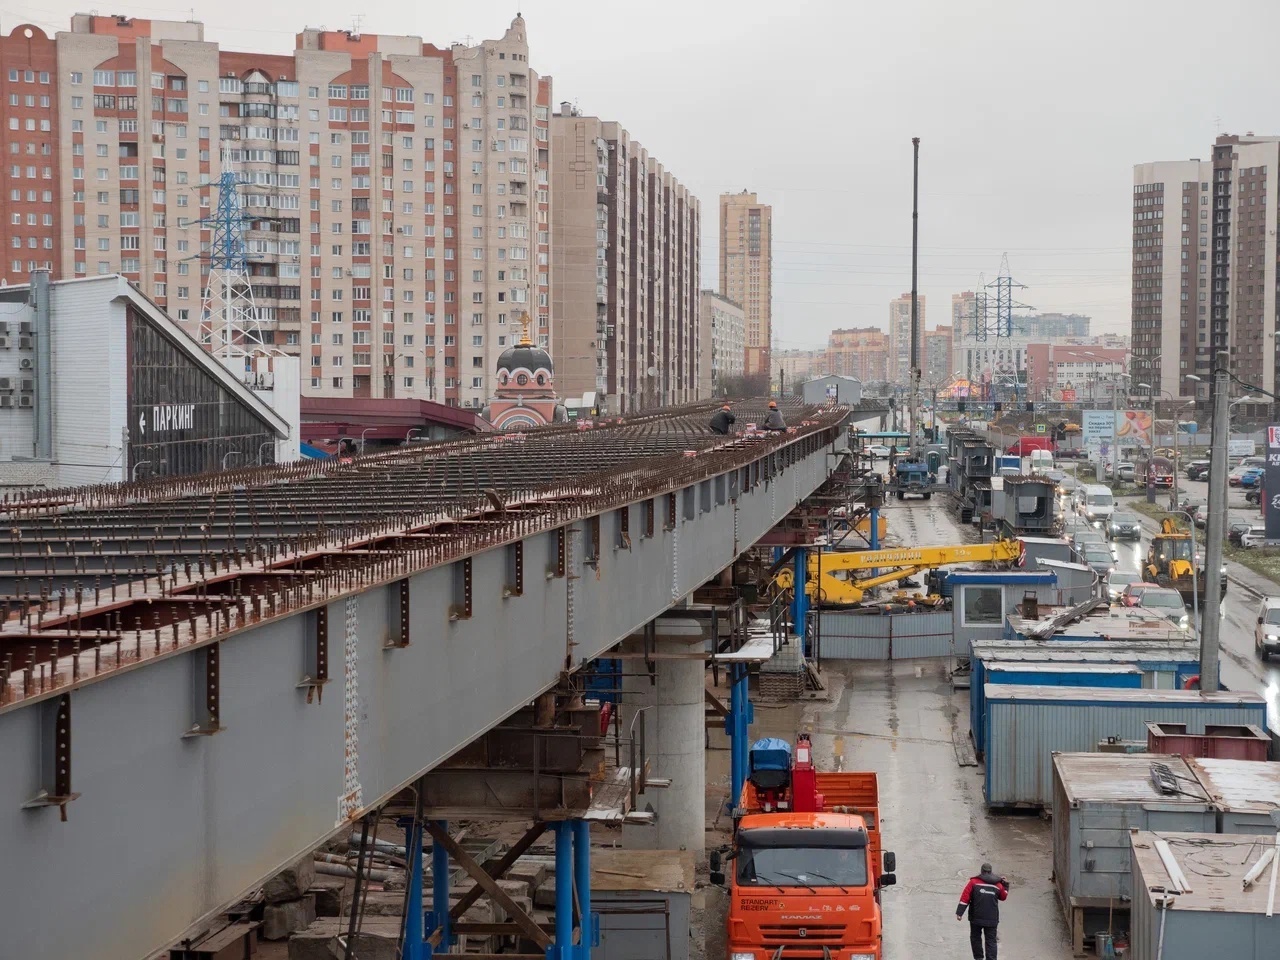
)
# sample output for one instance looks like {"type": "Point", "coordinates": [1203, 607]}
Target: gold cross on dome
{"type": "Point", "coordinates": [525, 339]}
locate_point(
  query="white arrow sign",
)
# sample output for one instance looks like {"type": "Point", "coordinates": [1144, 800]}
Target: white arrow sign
{"type": "Point", "coordinates": [142, 422]}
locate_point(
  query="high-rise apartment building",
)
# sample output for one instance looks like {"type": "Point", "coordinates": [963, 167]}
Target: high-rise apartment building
{"type": "Point", "coordinates": [746, 271]}
{"type": "Point", "coordinates": [962, 313]}
{"type": "Point", "coordinates": [395, 194]}
{"type": "Point", "coordinates": [625, 269]}
{"type": "Point", "coordinates": [1052, 326]}
{"type": "Point", "coordinates": [900, 336]}
{"type": "Point", "coordinates": [1174, 240]}
{"type": "Point", "coordinates": [861, 352]}
{"type": "Point", "coordinates": [938, 345]}
{"type": "Point", "coordinates": [722, 347]}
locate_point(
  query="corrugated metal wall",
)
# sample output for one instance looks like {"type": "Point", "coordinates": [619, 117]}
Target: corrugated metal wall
{"type": "Point", "coordinates": [903, 636]}
{"type": "Point", "coordinates": [1022, 735]}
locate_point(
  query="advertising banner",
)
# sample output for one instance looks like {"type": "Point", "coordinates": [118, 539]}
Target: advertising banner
{"type": "Point", "coordinates": [1271, 484]}
{"type": "Point", "coordinates": [1097, 425]}
{"type": "Point", "coordinates": [1243, 448]}
{"type": "Point", "coordinates": [1133, 428]}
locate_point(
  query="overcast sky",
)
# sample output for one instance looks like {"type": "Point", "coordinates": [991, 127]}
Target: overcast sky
{"type": "Point", "coordinates": [1031, 117]}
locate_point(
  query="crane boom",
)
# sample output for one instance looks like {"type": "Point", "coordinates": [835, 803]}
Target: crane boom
{"type": "Point", "coordinates": [831, 570]}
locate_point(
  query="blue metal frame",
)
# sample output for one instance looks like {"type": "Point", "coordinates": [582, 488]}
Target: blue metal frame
{"type": "Point", "coordinates": [415, 947]}
{"type": "Point", "coordinates": [438, 918]}
{"type": "Point", "coordinates": [800, 595]}
{"type": "Point", "coordinates": [573, 875]}
{"type": "Point", "coordinates": [736, 725]}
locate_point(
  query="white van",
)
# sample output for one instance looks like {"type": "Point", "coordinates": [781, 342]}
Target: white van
{"type": "Point", "coordinates": [1097, 504]}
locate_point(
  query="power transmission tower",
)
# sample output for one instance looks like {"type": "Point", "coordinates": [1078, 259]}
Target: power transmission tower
{"type": "Point", "coordinates": [1004, 286]}
{"type": "Point", "coordinates": [230, 326]}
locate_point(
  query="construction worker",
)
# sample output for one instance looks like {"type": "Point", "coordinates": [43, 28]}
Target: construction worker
{"type": "Point", "coordinates": [981, 897]}
{"type": "Point", "coordinates": [723, 420]}
{"type": "Point", "coordinates": [773, 420]}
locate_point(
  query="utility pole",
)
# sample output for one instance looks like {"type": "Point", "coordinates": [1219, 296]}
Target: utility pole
{"type": "Point", "coordinates": [1217, 509]}
{"type": "Point", "coordinates": [914, 404]}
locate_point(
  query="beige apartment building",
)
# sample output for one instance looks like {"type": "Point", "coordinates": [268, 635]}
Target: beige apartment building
{"type": "Point", "coordinates": [395, 194]}
{"type": "Point", "coordinates": [962, 313]}
{"type": "Point", "coordinates": [861, 352]}
{"type": "Point", "coordinates": [937, 356]}
{"type": "Point", "coordinates": [900, 337]}
{"type": "Point", "coordinates": [625, 270]}
{"type": "Point", "coordinates": [746, 271]}
{"type": "Point", "coordinates": [722, 344]}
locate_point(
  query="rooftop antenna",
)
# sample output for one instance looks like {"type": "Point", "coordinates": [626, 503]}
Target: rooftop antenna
{"type": "Point", "coordinates": [356, 21]}
{"type": "Point", "coordinates": [230, 325]}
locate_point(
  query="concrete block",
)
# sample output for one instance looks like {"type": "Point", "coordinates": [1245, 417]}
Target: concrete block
{"type": "Point", "coordinates": [545, 895]}
{"type": "Point", "coordinates": [378, 939]}
{"type": "Point", "coordinates": [291, 882]}
{"type": "Point", "coordinates": [289, 916]}
{"type": "Point", "coordinates": [528, 870]}
{"type": "Point", "coordinates": [381, 903]}
{"type": "Point", "coordinates": [328, 892]}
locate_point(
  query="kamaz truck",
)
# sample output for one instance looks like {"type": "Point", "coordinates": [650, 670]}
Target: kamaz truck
{"type": "Point", "coordinates": [805, 869]}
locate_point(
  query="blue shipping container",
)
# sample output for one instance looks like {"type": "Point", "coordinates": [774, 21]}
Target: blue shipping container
{"type": "Point", "coordinates": [1032, 673]}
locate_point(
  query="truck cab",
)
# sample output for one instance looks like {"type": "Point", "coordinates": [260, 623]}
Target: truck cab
{"type": "Point", "coordinates": [805, 870]}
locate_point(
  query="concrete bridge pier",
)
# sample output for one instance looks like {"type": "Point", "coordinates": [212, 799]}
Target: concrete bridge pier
{"type": "Point", "coordinates": [668, 691]}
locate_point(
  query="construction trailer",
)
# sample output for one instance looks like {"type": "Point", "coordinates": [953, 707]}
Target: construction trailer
{"type": "Point", "coordinates": [1198, 895]}
{"type": "Point", "coordinates": [1244, 792]}
{"type": "Point", "coordinates": [1098, 798]}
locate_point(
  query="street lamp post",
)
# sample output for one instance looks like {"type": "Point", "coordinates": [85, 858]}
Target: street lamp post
{"type": "Point", "coordinates": [229, 453]}
{"type": "Point", "coordinates": [408, 437]}
{"type": "Point", "coordinates": [263, 446]}
{"type": "Point", "coordinates": [1195, 589]}
{"type": "Point", "coordinates": [1151, 485]}
{"type": "Point", "coordinates": [133, 474]}
{"type": "Point", "coordinates": [363, 433]}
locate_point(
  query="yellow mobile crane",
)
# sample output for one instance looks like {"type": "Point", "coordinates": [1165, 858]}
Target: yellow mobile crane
{"type": "Point", "coordinates": [839, 587]}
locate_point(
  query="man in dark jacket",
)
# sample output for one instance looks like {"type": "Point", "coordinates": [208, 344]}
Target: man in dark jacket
{"type": "Point", "coordinates": [981, 897]}
{"type": "Point", "coordinates": [774, 419]}
{"type": "Point", "coordinates": [723, 420]}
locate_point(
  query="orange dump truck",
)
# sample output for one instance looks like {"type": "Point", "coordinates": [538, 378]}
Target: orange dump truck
{"type": "Point", "coordinates": [806, 866]}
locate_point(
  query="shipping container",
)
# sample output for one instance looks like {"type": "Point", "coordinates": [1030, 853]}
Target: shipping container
{"type": "Point", "coordinates": [1224, 743]}
{"type": "Point", "coordinates": [1163, 667]}
{"type": "Point", "coordinates": [1098, 798]}
{"type": "Point", "coordinates": [1202, 909]}
{"type": "Point", "coordinates": [1243, 791]}
{"type": "Point", "coordinates": [1048, 674]}
{"type": "Point", "coordinates": [1026, 725]}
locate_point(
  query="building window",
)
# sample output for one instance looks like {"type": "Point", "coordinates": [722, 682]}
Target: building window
{"type": "Point", "coordinates": [983, 606]}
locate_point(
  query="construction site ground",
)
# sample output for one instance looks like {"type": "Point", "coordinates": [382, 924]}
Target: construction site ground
{"type": "Point", "coordinates": [903, 720]}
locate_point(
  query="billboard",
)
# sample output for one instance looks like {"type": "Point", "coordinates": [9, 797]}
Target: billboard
{"type": "Point", "coordinates": [1133, 428]}
{"type": "Point", "coordinates": [1270, 498]}
{"type": "Point", "coordinates": [1097, 425]}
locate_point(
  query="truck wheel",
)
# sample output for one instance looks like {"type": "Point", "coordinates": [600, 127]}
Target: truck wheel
{"type": "Point", "coordinates": [928, 495]}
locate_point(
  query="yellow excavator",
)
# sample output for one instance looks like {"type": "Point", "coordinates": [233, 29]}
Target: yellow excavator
{"type": "Point", "coordinates": [1170, 564]}
{"type": "Point", "coordinates": [833, 580]}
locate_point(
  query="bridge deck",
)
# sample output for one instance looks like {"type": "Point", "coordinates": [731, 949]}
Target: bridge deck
{"type": "Point", "coordinates": [288, 647]}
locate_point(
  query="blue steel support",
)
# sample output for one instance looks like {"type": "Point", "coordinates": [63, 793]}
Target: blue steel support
{"type": "Point", "coordinates": [562, 948]}
{"type": "Point", "coordinates": [588, 931]}
{"type": "Point", "coordinates": [875, 528]}
{"type": "Point", "coordinates": [415, 947]}
{"type": "Point", "coordinates": [800, 601]}
{"type": "Point", "coordinates": [736, 725]}
{"type": "Point", "coordinates": [438, 919]}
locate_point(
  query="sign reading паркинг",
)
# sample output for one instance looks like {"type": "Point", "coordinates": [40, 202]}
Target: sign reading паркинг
{"type": "Point", "coordinates": [168, 417]}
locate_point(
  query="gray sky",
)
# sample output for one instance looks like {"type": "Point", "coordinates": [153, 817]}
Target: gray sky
{"type": "Point", "coordinates": [1031, 120]}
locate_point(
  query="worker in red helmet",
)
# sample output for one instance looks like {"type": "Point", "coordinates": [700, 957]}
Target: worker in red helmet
{"type": "Point", "coordinates": [773, 420]}
{"type": "Point", "coordinates": [723, 420]}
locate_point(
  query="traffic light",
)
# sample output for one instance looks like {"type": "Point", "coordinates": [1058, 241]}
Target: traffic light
{"type": "Point", "coordinates": [999, 406]}
{"type": "Point", "coordinates": [1031, 407]}
{"type": "Point", "coordinates": [961, 406]}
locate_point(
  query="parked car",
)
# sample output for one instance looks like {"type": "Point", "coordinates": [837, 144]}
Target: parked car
{"type": "Point", "coordinates": [1131, 596]}
{"type": "Point", "coordinates": [1234, 477]}
{"type": "Point", "coordinates": [1117, 581]}
{"type": "Point", "coordinates": [1253, 496]}
{"type": "Point", "coordinates": [1168, 602]}
{"type": "Point", "coordinates": [1198, 470]}
{"type": "Point", "coordinates": [1200, 516]}
{"type": "Point", "coordinates": [1071, 453]}
{"type": "Point", "coordinates": [1251, 478]}
{"type": "Point", "coordinates": [1125, 526]}
{"type": "Point", "coordinates": [878, 451]}
{"type": "Point", "coordinates": [1255, 536]}
{"type": "Point", "coordinates": [1236, 530]}
{"type": "Point", "coordinates": [1266, 635]}
{"type": "Point", "coordinates": [1124, 471]}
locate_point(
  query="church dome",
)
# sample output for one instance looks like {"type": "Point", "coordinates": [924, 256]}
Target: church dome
{"type": "Point", "coordinates": [525, 364]}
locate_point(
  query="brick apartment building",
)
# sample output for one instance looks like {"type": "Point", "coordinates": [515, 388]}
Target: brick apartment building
{"type": "Point", "coordinates": [397, 200]}
{"type": "Point", "coordinates": [862, 352]}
